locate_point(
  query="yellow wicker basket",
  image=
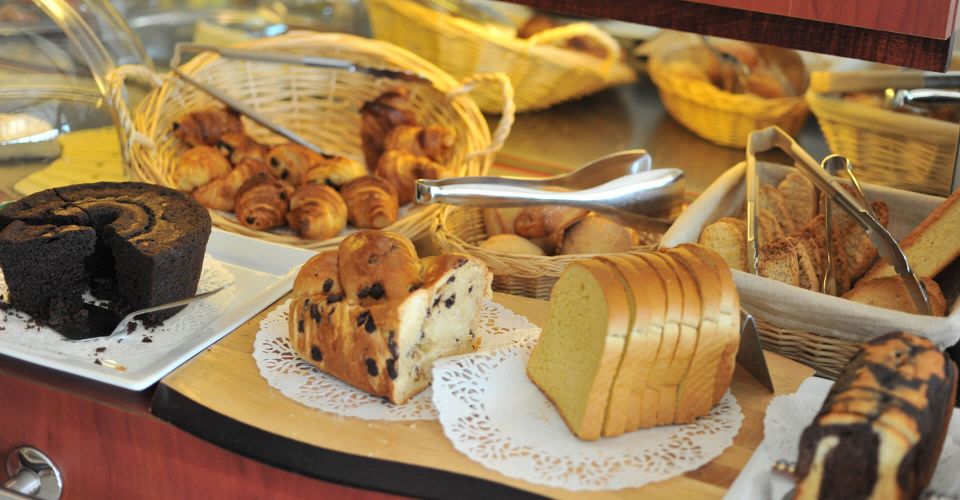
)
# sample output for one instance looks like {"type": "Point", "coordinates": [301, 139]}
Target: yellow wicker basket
{"type": "Point", "coordinates": [318, 103]}
{"type": "Point", "coordinates": [462, 229]}
{"type": "Point", "coordinates": [542, 73]}
{"type": "Point", "coordinates": [716, 115]}
{"type": "Point", "coordinates": [888, 147]}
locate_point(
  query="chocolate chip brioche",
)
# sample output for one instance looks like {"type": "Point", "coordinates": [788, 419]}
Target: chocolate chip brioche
{"type": "Point", "coordinates": [374, 315]}
{"type": "Point", "coordinates": [880, 432]}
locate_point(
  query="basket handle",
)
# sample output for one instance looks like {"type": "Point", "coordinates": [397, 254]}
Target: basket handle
{"type": "Point", "coordinates": [507, 114]}
{"type": "Point", "coordinates": [116, 83]}
{"type": "Point", "coordinates": [568, 31]}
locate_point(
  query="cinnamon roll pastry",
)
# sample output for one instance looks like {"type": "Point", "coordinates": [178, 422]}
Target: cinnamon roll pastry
{"type": "Point", "coordinates": [206, 127]}
{"type": "Point", "coordinates": [317, 212]}
{"type": "Point", "coordinates": [262, 202]}
{"type": "Point", "coordinates": [378, 117]}
{"type": "Point", "coordinates": [372, 202]}
{"type": "Point", "coordinates": [334, 171]}
{"type": "Point", "coordinates": [402, 169]}
{"type": "Point", "coordinates": [220, 193]}
{"type": "Point", "coordinates": [241, 147]}
{"type": "Point", "coordinates": [434, 142]}
{"type": "Point", "coordinates": [290, 162]}
{"type": "Point", "coordinates": [198, 166]}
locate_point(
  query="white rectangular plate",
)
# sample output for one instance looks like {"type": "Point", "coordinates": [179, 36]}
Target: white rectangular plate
{"type": "Point", "coordinates": [262, 273]}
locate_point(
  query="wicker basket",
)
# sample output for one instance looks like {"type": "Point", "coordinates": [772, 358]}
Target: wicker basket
{"type": "Point", "coordinates": [542, 73]}
{"type": "Point", "coordinates": [716, 115]}
{"type": "Point", "coordinates": [888, 147]}
{"type": "Point", "coordinates": [461, 229]}
{"type": "Point", "coordinates": [320, 104]}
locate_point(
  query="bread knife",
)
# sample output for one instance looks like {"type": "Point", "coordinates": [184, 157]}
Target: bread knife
{"type": "Point", "coordinates": [774, 137]}
{"type": "Point", "coordinates": [750, 355]}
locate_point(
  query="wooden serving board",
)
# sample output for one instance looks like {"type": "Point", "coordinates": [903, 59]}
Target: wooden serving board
{"type": "Point", "coordinates": [220, 396]}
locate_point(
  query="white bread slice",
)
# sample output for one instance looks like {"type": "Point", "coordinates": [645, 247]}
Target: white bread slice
{"type": "Point", "coordinates": [695, 397]}
{"type": "Point", "coordinates": [664, 378]}
{"type": "Point", "coordinates": [729, 318]}
{"type": "Point", "coordinates": [689, 333]}
{"type": "Point", "coordinates": [576, 357]}
{"type": "Point", "coordinates": [641, 412]}
{"type": "Point", "coordinates": [639, 351]}
{"type": "Point", "coordinates": [932, 245]}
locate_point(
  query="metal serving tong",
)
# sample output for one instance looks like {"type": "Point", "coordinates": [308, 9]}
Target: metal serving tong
{"type": "Point", "coordinates": [278, 58]}
{"type": "Point", "coordinates": [773, 137]}
{"type": "Point", "coordinates": [633, 199]}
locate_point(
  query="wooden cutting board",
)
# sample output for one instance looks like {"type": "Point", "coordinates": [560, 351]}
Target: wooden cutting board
{"type": "Point", "coordinates": [220, 396]}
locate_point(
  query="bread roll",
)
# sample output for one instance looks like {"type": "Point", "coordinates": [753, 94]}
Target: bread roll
{"type": "Point", "coordinates": [511, 243]}
{"type": "Point", "coordinates": [596, 234]}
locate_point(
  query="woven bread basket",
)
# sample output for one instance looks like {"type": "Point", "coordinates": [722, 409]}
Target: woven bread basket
{"type": "Point", "coordinates": [888, 147]}
{"type": "Point", "coordinates": [542, 73]}
{"type": "Point", "coordinates": [320, 104]}
{"type": "Point", "coordinates": [722, 117]}
{"type": "Point", "coordinates": [462, 229]}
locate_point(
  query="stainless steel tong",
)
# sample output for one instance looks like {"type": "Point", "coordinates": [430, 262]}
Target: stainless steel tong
{"type": "Point", "coordinates": [773, 137]}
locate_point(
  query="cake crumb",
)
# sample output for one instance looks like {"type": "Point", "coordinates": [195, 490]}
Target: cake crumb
{"type": "Point", "coordinates": [147, 340]}
{"type": "Point", "coordinates": [101, 349]}
{"type": "Point", "coordinates": [97, 362]}
{"type": "Point", "coordinates": [131, 326]}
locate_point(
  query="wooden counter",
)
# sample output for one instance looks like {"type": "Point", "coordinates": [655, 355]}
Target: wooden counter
{"type": "Point", "coordinates": [221, 397]}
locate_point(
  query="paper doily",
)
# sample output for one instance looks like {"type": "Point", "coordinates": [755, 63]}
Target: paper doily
{"type": "Point", "coordinates": [492, 413]}
{"type": "Point", "coordinates": [20, 330]}
{"type": "Point", "coordinates": [300, 381]}
{"type": "Point", "coordinates": [787, 417]}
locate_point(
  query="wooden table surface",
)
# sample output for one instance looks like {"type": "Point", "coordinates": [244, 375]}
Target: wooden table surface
{"type": "Point", "coordinates": [224, 380]}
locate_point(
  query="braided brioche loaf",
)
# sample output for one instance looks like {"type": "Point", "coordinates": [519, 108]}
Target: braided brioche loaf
{"type": "Point", "coordinates": [374, 315]}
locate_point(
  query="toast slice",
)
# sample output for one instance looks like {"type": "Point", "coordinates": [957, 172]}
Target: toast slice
{"type": "Point", "coordinates": [695, 397]}
{"type": "Point", "coordinates": [800, 198]}
{"type": "Point", "coordinates": [768, 228]}
{"type": "Point", "coordinates": [639, 349]}
{"type": "Point", "coordinates": [576, 357]}
{"type": "Point", "coordinates": [689, 334]}
{"type": "Point", "coordinates": [772, 201]}
{"type": "Point", "coordinates": [787, 261]}
{"type": "Point", "coordinates": [727, 237]}
{"type": "Point", "coordinates": [665, 377]}
{"type": "Point", "coordinates": [890, 292]}
{"type": "Point", "coordinates": [729, 318]}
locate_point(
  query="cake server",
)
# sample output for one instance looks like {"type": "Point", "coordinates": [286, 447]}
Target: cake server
{"type": "Point", "coordinates": [774, 137]}
{"type": "Point", "coordinates": [109, 322]}
{"type": "Point", "coordinates": [750, 355]}
{"type": "Point", "coordinates": [655, 195]}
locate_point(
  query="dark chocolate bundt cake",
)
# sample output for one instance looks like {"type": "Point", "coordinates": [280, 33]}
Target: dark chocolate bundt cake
{"type": "Point", "coordinates": [134, 245]}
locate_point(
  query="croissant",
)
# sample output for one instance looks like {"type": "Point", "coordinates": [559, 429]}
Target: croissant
{"type": "Point", "coordinates": [291, 161]}
{"type": "Point", "coordinates": [262, 202]}
{"type": "Point", "coordinates": [434, 142]}
{"type": "Point", "coordinates": [402, 169]}
{"type": "Point", "coordinates": [317, 212]}
{"type": "Point", "coordinates": [545, 220]}
{"type": "Point", "coordinates": [207, 127]}
{"type": "Point", "coordinates": [240, 147]}
{"type": "Point", "coordinates": [371, 202]}
{"type": "Point", "coordinates": [334, 171]}
{"type": "Point", "coordinates": [390, 109]}
{"type": "Point", "coordinates": [219, 194]}
{"type": "Point", "coordinates": [198, 166]}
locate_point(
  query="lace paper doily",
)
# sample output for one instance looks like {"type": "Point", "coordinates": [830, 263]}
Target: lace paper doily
{"type": "Point", "coordinates": [140, 345]}
{"type": "Point", "coordinates": [492, 413]}
{"type": "Point", "coordinates": [787, 417]}
{"type": "Point", "coordinates": [298, 380]}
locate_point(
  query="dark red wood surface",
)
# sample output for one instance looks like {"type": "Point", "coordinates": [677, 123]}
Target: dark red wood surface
{"type": "Point", "coordinates": [829, 38]}
{"type": "Point", "coordinates": [928, 18]}
{"type": "Point", "coordinates": [108, 445]}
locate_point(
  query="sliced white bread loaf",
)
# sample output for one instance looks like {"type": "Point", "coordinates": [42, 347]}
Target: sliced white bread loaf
{"type": "Point", "coordinates": [579, 351]}
{"type": "Point", "coordinates": [639, 350]}
{"type": "Point", "coordinates": [695, 395]}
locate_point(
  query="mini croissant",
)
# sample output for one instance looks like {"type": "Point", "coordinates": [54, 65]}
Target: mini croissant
{"type": "Point", "coordinates": [220, 193]}
{"type": "Point", "coordinates": [379, 117]}
{"type": "Point", "coordinates": [198, 166]}
{"type": "Point", "coordinates": [207, 127]}
{"type": "Point", "coordinates": [334, 171]}
{"type": "Point", "coordinates": [402, 169]}
{"type": "Point", "coordinates": [434, 142]}
{"type": "Point", "coordinates": [371, 202]}
{"type": "Point", "coordinates": [290, 162]}
{"type": "Point", "coordinates": [262, 202]}
{"type": "Point", "coordinates": [241, 147]}
{"type": "Point", "coordinates": [317, 212]}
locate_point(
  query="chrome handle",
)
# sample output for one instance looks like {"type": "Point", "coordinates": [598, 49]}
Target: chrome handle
{"type": "Point", "coordinates": [32, 475]}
